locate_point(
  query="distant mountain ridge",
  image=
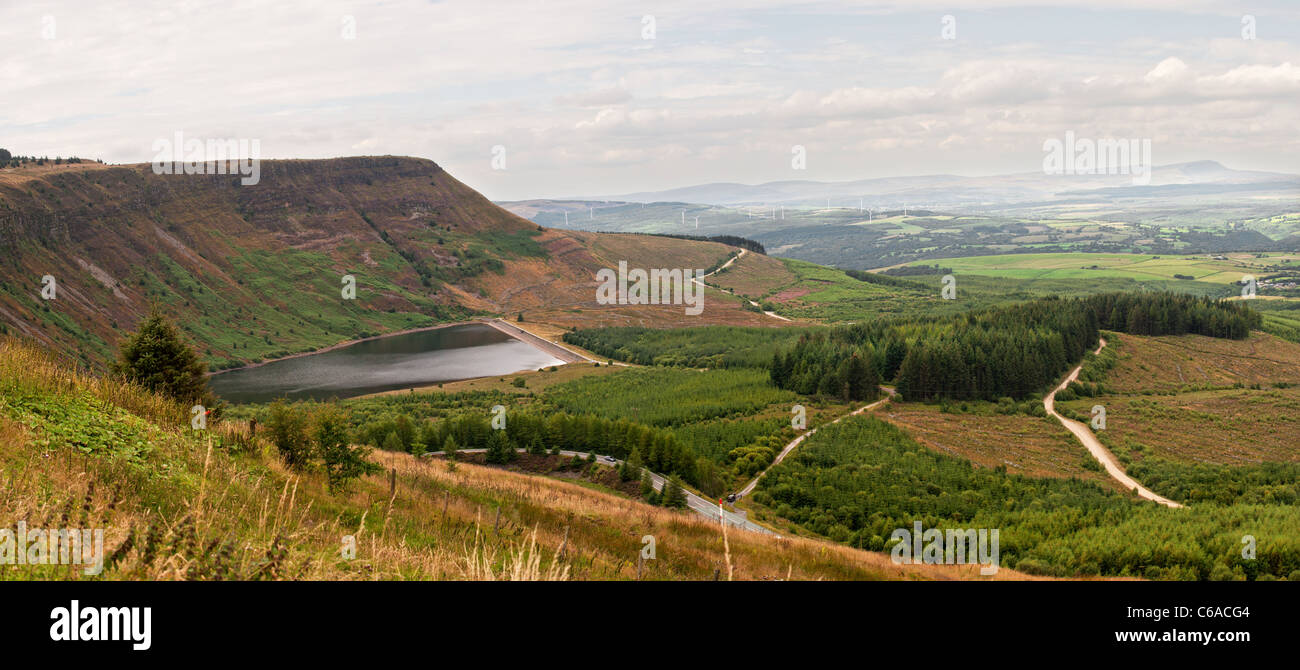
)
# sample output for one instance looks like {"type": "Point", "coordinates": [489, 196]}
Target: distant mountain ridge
{"type": "Point", "coordinates": [952, 190]}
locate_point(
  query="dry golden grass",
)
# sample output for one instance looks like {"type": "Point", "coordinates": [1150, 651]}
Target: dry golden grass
{"type": "Point", "coordinates": [21, 175]}
{"type": "Point", "coordinates": [1201, 400]}
{"type": "Point", "coordinates": [1227, 427]}
{"type": "Point", "coordinates": [755, 275]}
{"type": "Point", "coordinates": [604, 532]}
{"type": "Point", "coordinates": [1169, 363]}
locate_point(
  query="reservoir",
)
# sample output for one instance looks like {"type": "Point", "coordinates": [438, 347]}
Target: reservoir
{"type": "Point", "coordinates": [384, 364]}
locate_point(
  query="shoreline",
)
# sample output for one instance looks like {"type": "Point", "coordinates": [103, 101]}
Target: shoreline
{"type": "Point", "coordinates": [348, 343]}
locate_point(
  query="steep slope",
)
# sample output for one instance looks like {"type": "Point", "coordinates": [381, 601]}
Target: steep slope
{"type": "Point", "coordinates": [253, 272]}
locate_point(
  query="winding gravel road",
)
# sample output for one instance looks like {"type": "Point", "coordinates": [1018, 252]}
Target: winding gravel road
{"type": "Point", "coordinates": [1095, 447]}
{"type": "Point", "coordinates": [724, 266]}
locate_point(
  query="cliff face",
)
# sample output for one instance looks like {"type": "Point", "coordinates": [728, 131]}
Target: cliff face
{"type": "Point", "coordinates": [258, 271]}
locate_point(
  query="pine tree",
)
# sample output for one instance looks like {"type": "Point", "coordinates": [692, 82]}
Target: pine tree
{"type": "Point", "coordinates": [157, 358]}
{"type": "Point", "coordinates": [647, 487]}
{"type": "Point", "coordinates": [343, 462]}
{"type": "Point", "coordinates": [405, 431]}
{"type": "Point", "coordinates": [499, 450]}
{"type": "Point", "coordinates": [673, 494]}
{"type": "Point", "coordinates": [631, 466]}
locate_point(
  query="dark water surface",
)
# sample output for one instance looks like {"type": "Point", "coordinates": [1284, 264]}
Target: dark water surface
{"type": "Point", "coordinates": [385, 364]}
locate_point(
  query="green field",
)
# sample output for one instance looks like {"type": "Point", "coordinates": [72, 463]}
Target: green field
{"type": "Point", "coordinates": [1204, 268]}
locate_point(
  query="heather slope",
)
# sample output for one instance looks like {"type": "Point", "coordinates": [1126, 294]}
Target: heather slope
{"type": "Point", "coordinates": [256, 272]}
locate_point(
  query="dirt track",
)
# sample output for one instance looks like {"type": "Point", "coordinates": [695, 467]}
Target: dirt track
{"type": "Point", "coordinates": [1095, 447]}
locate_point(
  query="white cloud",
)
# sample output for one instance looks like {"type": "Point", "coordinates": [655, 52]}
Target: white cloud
{"type": "Point", "coordinates": [584, 106]}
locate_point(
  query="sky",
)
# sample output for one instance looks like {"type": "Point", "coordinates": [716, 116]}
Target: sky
{"type": "Point", "coordinates": [554, 98]}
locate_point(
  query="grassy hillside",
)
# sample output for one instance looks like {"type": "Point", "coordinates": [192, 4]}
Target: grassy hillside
{"type": "Point", "coordinates": [79, 451]}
